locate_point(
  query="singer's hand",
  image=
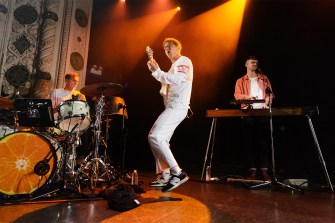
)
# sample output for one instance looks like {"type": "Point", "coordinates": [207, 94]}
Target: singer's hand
{"type": "Point", "coordinates": [152, 65]}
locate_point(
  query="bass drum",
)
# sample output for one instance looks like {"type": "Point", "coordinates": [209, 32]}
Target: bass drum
{"type": "Point", "coordinates": [20, 156]}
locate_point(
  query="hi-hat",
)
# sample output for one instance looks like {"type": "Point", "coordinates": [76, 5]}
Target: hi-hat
{"type": "Point", "coordinates": [106, 89]}
{"type": "Point", "coordinates": [6, 103]}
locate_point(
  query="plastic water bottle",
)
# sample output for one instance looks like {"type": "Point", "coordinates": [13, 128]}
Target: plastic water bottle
{"type": "Point", "coordinates": [134, 178]}
{"type": "Point", "coordinates": [208, 173]}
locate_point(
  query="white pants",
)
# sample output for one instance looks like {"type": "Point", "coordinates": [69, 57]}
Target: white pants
{"type": "Point", "coordinates": [160, 135]}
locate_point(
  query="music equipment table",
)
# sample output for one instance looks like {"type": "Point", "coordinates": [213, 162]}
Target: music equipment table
{"type": "Point", "coordinates": [285, 111]}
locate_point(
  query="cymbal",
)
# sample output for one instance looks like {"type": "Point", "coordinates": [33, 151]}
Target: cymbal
{"type": "Point", "coordinates": [6, 103]}
{"type": "Point", "coordinates": [106, 89]}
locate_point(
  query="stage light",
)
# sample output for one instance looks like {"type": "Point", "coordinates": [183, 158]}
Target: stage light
{"type": "Point", "coordinates": [178, 8]}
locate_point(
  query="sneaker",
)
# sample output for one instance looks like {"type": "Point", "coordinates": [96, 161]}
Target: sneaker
{"type": "Point", "coordinates": [175, 181]}
{"type": "Point", "coordinates": [159, 182]}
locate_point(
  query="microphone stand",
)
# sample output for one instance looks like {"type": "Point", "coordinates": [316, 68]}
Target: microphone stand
{"type": "Point", "coordinates": [274, 177]}
{"type": "Point", "coordinates": [42, 167]}
{"type": "Point", "coordinates": [123, 138]}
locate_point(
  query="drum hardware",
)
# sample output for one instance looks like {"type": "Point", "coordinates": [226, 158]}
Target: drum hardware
{"type": "Point", "coordinates": [123, 138]}
{"type": "Point", "coordinates": [108, 89]}
{"type": "Point", "coordinates": [58, 164]}
{"type": "Point", "coordinates": [42, 167]}
{"type": "Point", "coordinates": [115, 106]}
{"type": "Point", "coordinates": [67, 176]}
{"type": "Point", "coordinates": [26, 148]}
{"type": "Point", "coordinates": [71, 112]}
{"type": "Point", "coordinates": [96, 168]}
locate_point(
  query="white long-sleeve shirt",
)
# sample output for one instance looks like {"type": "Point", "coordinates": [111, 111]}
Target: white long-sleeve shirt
{"type": "Point", "coordinates": [176, 83]}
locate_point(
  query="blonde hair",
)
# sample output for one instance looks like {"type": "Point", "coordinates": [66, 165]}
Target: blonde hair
{"type": "Point", "coordinates": [70, 75]}
{"type": "Point", "coordinates": [173, 41]}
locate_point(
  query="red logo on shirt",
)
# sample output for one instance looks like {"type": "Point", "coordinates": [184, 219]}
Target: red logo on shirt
{"type": "Point", "coordinates": [182, 69]}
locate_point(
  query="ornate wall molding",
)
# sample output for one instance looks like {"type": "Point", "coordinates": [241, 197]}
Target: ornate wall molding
{"type": "Point", "coordinates": [77, 40]}
{"type": "Point", "coordinates": [21, 47]}
{"type": "Point", "coordinates": [48, 37]}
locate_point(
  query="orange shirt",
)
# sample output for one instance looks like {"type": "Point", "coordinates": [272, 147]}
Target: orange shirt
{"type": "Point", "coordinates": [242, 88]}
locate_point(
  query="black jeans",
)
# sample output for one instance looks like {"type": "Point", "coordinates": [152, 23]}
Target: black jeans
{"type": "Point", "coordinates": [256, 143]}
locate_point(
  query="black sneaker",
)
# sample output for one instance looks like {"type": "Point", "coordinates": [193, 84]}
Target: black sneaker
{"type": "Point", "coordinates": [175, 181]}
{"type": "Point", "coordinates": [159, 182]}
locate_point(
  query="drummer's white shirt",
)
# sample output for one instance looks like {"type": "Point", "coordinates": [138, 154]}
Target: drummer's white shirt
{"type": "Point", "coordinates": [59, 95]}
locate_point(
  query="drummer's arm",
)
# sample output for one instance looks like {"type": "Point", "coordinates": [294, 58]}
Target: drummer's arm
{"type": "Point", "coordinates": [53, 98]}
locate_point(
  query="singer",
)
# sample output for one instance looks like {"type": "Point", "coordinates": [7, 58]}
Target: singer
{"type": "Point", "coordinates": [176, 92]}
{"type": "Point", "coordinates": [255, 85]}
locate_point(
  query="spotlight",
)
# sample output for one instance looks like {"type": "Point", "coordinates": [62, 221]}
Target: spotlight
{"type": "Point", "coordinates": [178, 8]}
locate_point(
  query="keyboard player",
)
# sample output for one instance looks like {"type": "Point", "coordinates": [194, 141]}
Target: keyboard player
{"type": "Point", "coordinates": [254, 85]}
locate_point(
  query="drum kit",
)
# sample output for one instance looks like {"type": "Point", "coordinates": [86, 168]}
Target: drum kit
{"type": "Point", "coordinates": [36, 155]}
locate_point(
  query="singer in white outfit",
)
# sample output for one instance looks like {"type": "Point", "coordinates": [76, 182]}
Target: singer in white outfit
{"type": "Point", "coordinates": [176, 91]}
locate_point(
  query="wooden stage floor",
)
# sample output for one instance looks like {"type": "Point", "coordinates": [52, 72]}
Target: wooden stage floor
{"type": "Point", "coordinates": [194, 201]}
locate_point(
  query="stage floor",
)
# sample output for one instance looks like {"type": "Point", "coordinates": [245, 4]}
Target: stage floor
{"type": "Point", "coordinates": [194, 201]}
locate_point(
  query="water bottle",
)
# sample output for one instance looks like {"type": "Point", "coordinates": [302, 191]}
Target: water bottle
{"type": "Point", "coordinates": [134, 178]}
{"type": "Point", "coordinates": [208, 173]}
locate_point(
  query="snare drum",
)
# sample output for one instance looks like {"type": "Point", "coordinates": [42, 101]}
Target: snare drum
{"type": "Point", "coordinates": [5, 130]}
{"type": "Point", "coordinates": [20, 152]}
{"type": "Point", "coordinates": [72, 113]}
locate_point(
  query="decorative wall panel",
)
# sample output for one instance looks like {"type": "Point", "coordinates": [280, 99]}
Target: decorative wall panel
{"type": "Point", "coordinates": [42, 40]}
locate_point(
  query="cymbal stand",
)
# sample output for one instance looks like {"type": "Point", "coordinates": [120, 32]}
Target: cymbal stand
{"type": "Point", "coordinates": [106, 138]}
{"type": "Point", "coordinates": [96, 170]}
{"type": "Point", "coordinates": [70, 161]}
{"type": "Point", "coordinates": [123, 137]}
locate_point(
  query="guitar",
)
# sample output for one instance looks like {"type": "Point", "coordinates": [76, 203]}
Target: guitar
{"type": "Point", "coordinates": [150, 53]}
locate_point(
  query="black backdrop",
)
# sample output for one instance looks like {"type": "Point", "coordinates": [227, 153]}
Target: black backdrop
{"type": "Point", "coordinates": [295, 43]}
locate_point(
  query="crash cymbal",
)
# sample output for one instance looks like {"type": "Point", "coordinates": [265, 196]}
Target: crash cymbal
{"type": "Point", "coordinates": [6, 103]}
{"type": "Point", "coordinates": [107, 89]}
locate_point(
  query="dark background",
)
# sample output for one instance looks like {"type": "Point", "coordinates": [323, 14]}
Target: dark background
{"type": "Point", "coordinates": [294, 41]}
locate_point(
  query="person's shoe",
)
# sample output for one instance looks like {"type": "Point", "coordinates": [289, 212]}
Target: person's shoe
{"type": "Point", "coordinates": [175, 181]}
{"type": "Point", "coordinates": [252, 175]}
{"type": "Point", "coordinates": [265, 176]}
{"type": "Point", "coordinates": [159, 182]}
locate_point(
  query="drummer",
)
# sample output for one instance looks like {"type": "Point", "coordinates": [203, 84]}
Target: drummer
{"type": "Point", "coordinates": [59, 95]}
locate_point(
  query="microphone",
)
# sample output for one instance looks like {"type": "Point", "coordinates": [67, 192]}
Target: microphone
{"type": "Point", "coordinates": [41, 168]}
{"type": "Point", "coordinates": [119, 106]}
{"type": "Point", "coordinates": [259, 70]}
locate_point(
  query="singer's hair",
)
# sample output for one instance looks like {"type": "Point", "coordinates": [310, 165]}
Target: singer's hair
{"type": "Point", "coordinates": [70, 75]}
{"type": "Point", "coordinates": [173, 41]}
{"type": "Point", "coordinates": [251, 57]}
